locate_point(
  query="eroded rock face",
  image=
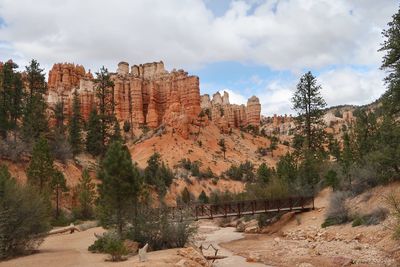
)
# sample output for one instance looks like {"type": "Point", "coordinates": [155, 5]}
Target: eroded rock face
{"type": "Point", "coordinates": [148, 95]}
{"type": "Point", "coordinates": [227, 115]}
{"type": "Point", "coordinates": [64, 79]}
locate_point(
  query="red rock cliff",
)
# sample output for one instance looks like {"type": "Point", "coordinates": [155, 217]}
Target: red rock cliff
{"type": "Point", "coordinates": [149, 95]}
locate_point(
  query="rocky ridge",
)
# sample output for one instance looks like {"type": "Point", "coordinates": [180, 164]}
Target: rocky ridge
{"type": "Point", "coordinates": [148, 95]}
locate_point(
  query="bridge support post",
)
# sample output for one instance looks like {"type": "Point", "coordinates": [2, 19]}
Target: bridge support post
{"type": "Point", "coordinates": [313, 207]}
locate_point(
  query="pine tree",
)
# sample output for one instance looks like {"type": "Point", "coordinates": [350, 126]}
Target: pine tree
{"type": "Point", "coordinates": [332, 180]}
{"type": "Point", "coordinates": [40, 170]}
{"type": "Point", "coordinates": [286, 169]}
{"type": "Point", "coordinates": [58, 185]}
{"type": "Point", "coordinates": [203, 198]}
{"type": "Point", "coordinates": [166, 174]}
{"type": "Point", "coordinates": [11, 93]}
{"type": "Point", "coordinates": [105, 94]}
{"type": "Point", "coordinates": [116, 135]}
{"type": "Point", "coordinates": [153, 165]}
{"type": "Point", "coordinates": [59, 116]}
{"type": "Point", "coordinates": [334, 147]}
{"type": "Point", "coordinates": [185, 195]}
{"type": "Point", "coordinates": [119, 188]}
{"type": "Point", "coordinates": [94, 144]}
{"type": "Point", "coordinates": [264, 173]}
{"type": "Point", "coordinates": [391, 64]}
{"type": "Point", "coordinates": [75, 125]}
{"type": "Point", "coordinates": [347, 158]}
{"type": "Point", "coordinates": [34, 121]}
{"type": "Point", "coordinates": [87, 192]}
{"type": "Point", "coordinates": [309, 104]}
{"type": "Point", "coordinates": [222, 146]}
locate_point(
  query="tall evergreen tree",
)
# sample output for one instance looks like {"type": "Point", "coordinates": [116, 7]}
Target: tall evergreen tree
{"type": "Point", "coordinates": [58, 185]}
{"type": "Point", "coordinates": [119, 188]}
{"type": "Point", "coordinates": [185, 195]}
{"type": "Point", "coordinates": [391, 64]}
{"type": "Point", "coordinates": [222, 146]}
{"type": "Point", "coordinates": [309, 104]}
{"type": "Point", "coordinates": [105, 95]}
{"type": "Point", "coordinates": [40, 170]}
{"type": "Point", "coordinates": [347, 158]}
{"type": "Point", "coordinates": [34, 121]}
{"type": "Point", "coordinates": [75, 125]}
{"type": "Point", "coordinates": [286, 169]}
{"type": "Point", "coordinates": [94, 144]}
{"type": "Point", "coordinates": [203, 198]}
{"type": "Point", "coordinates": [264, 173]}
{"type": "Point", "coordinates": [59, 116]}
{"type": "Point", "coordinates": [86, 195]}
{"type": "Point", "coordinates": [11, 93]}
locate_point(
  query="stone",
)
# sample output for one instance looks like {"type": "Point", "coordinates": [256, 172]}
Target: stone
{"type": "Point", "coordinates": [193, 255]}
{"type": "Point", "coordinates": [143, 253]}
{"type": "Point", "coordinates": [342, 261]}
{"type": "Point", "coordinates": [131, 246]}
{"type": "Point", "coordinates": [227, 116]}
{"type": "Point", "coordinates": [253, 111]}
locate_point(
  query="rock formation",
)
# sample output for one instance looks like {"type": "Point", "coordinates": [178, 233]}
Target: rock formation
{"type": "Point", "coordinates": [227, 115]}
{"type": "Point", "coordinates": [64, 78]}
{"type": "Point", "coordinates": [148, 95]}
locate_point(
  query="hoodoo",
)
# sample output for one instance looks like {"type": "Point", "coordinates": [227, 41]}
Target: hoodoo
{"type": "Point", "coordinates": [148, 95]}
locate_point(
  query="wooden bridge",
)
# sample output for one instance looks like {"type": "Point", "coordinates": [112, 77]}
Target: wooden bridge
{"type": "Point", "coordinates": [198, 211]}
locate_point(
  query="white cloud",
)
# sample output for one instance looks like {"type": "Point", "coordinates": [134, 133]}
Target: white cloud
{"type": "Point", "coordinates": [349, 86]}
{"type": "Point", "coordinates": [290, 34]}
{"type": "Point", "coordinates": [281, 34]}
{"type": "Point", "coordinates": [339, 86]}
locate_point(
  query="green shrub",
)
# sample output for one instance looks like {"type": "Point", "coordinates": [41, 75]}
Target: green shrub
{"type": "Point", "coordinates": [111, 244]}
{"type": "Point", "coordinates": [373, 218]}
{"type": "Point", "coordinates": [159, 231]}
{"type": "Point", "coordinates": [24, 217]}
{"type": "Point", "coordinates": [243, 172]}
{"type": "Point", "coordinates": [337, 212]}
{"type": "Point", "coordinates": [61, 220]}
{"type": "Point", "coordinates": [357, 221]}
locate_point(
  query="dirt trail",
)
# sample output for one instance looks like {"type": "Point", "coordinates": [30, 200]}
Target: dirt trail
{"type": "Point", "coordinates": [212, 234]}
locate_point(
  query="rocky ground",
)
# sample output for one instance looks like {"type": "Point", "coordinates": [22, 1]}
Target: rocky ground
{"type": "Point", "coordinates": [301, 241]}
{"type": "Point", "coordinates": [294, 240]}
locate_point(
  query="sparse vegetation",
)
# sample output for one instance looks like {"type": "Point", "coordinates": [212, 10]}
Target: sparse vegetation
{"type": "Point", "coordinates": [337, 212]}
{"type": "Point", "coordinates": [24, 216]}
{"type": "Point", "coordinates": [243, 172]}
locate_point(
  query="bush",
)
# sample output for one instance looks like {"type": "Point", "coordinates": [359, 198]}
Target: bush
{"type": "Point", "coordinates": [156, 229]}
{"type": "Point", "coordinates": [127, 126]}
{"type": "Point", "coordinates": [61, 220]}
{"type": "Point", "coordinates": [337, 212]}
{"type": "Point", "coordinates": [373, 218]}
{"type": "Point", "coordinates": [111, 244]}
{"type": "Point", "coordinates": [24, 217]}
{"type": "Point", "coordinates": [243, 172]}
{"type": "Point", "coordinates": [262, 151]}
{"type": "Point", "coordinates": [393, 202]}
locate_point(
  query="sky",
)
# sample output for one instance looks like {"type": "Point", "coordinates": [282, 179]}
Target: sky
{"type": "Point", "coordinates": [247, 47]}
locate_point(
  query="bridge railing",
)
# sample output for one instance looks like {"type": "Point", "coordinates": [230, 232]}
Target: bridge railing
{"type": "Point", "coordinates": [239, 208]}
{"type": "Point", "coordinates": [235, 208]}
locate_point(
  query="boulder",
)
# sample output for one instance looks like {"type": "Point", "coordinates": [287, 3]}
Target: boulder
{"type": "Point", "coordinates": [192, 257]}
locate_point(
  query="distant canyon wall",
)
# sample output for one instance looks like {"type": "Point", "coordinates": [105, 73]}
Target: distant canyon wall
{"type": "Point", "coordinates": [148, 95]}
